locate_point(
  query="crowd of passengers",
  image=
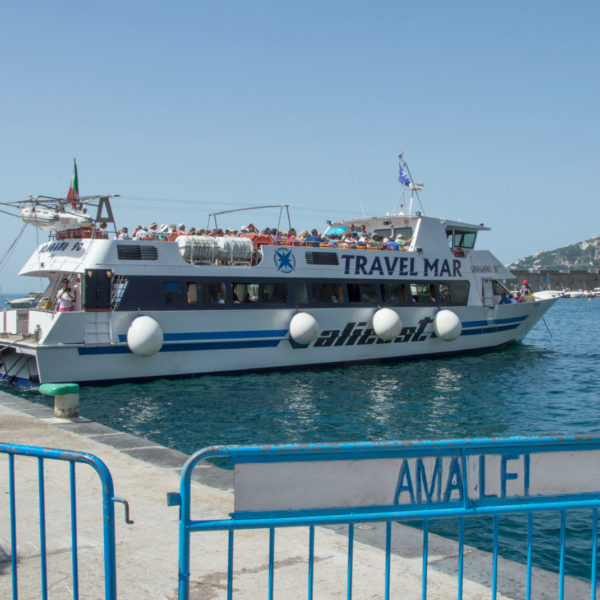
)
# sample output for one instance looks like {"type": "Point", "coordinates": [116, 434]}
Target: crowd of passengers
{"type": "Point", "coordinates": [352, 237]}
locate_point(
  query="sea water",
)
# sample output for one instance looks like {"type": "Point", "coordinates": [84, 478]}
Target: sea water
{"type": "Point", "coordinates": [547, 384]}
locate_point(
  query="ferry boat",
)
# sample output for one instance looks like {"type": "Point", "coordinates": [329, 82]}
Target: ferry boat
{"type": "Point", "coordinates": [148, 308]}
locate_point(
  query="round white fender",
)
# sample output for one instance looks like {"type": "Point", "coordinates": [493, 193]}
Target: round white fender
{"type": "Point", "coordinates": [144, 336]}
{"type": "Point", "coordinates": [447, 325]}
{"type": "Point", "coordinates": [303, 328]}
{"type": "Point", "coordinates": [386, 324]}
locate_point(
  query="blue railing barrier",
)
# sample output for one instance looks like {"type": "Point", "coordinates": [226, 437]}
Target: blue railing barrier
{"type": "Point", "coordinates": [312, 485]}
{"type": "Point", "coordinates": [39, 527]}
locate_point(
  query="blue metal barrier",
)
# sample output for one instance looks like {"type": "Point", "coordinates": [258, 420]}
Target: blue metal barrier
{"type": "Point", "coordinates": [387, 482]}
{"type": "Point", "coordinates": [108, 499]}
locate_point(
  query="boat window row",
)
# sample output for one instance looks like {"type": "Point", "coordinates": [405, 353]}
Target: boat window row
{"type": "Point", "coordinates": [202, 293]}
{"type": "Point", "coordinates": [461, 239]}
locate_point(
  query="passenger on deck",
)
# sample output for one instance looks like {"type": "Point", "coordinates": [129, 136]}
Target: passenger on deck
{"type": "Point", "coordinates": [291, 237]}
{"type": "Point", "coordinates": [140, 233]}
{"type": "Point", "coordinates": [123, 234]}
{"type": "Point", "coordinates": [363, 238]}
{"type": "Point", "coordinates": [390, 244]}
{"type": "Point", "coordinates": [526, 288]}
{"type": "Point", "coordinates": [314, 237]}
{"type": "Point", "coordinates": [65, 297]}
{"type": "Point", "coordinates": [348, 240]}
{"type": "Point", "coordinates": [153, 230]}
{"type": "Point", "coordinates": [402, 243]}
{"type": "Point", "coordinates": [505, 299]}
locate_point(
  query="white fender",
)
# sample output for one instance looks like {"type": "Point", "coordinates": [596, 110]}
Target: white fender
{"type": "Point", "coordinates": [144, 336]}
{"type": "Point", "coordinates": [447, 325]}
{"type": "Point", "coordinates": [303, 328]}
{"type": "Point", "coordinates": [387, 324]}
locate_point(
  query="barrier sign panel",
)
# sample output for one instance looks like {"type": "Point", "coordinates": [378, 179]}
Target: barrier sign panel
{"type": "Point", "coordinates": [451, 473]}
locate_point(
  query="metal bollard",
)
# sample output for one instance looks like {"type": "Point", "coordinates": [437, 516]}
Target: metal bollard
{"type": "Point", "coordinates": [66, 399]}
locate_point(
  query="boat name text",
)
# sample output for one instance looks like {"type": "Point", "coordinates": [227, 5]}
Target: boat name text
{"type": "Point", "coordinates": [400, 265]}
{"type": "Point", "coordinates": [61, 247]}
{"type": "Point", "coordinates": [485, 268]}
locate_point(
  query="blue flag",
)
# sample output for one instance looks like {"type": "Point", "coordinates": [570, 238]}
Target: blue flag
{"type": "Point", "coordinates": [403, 178]}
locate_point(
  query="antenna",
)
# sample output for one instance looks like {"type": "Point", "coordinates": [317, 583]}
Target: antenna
{"type": "Point", "coordinates": [356, 191]}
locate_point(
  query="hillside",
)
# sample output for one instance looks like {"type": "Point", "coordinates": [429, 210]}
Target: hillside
{"type": "Point", "coordinates": [584, 255]}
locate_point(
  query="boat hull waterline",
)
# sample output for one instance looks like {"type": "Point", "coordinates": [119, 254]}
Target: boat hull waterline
{"type": "Point", "coordinates": [228, 346]}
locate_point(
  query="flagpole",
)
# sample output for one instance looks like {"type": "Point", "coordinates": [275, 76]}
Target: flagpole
{"type": "Point", "coordinates": [403, 162]}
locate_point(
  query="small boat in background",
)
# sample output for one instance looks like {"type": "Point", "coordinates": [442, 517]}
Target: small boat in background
{"type": "Point", "coordinates": [29, 301]}
{"type": "Point", "coordinates": [547, 294]}
{"type": "Point", "coordinates": [54, 220]}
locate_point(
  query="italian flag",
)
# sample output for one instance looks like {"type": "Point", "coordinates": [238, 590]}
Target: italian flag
{"type": "Point", "coordinates": [73, 193]}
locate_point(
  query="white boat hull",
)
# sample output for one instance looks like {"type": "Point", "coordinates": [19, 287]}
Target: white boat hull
{"type": "Point", "coordinates": [213, 341]}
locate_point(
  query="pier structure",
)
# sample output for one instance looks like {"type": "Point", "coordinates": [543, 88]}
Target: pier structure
{"type": "Point", "coordinates": [147, 550]}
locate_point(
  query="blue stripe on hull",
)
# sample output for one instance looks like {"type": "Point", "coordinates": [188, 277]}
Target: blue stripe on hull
{"type": "Point", "coordinates": [482, 330]}
{"type": "Point", "coordinates": [468, 324]}
{"type": "Point", "coordinates": [219, 335]}
{"type": "Point", "coordinates": [184, 347]}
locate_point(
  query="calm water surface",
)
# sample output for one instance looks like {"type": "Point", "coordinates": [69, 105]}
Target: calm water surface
{"type": "Point", "coordinates": [547, 384]}
{"type": "Point", "coordinates": [544, 385]}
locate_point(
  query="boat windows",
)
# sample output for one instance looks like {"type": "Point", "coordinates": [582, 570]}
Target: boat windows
{"type": "Point", "coordinates": [454, 292]}
{"type": "Point", "coordinates": [464, 239]}
{"type": "Point", "coordinates": [245, 292]}
{"type": "Point", "coordinates": [118, 291]}
{"type": "Point", "coordinates": [385, 232]}
{"type": "Point", "coordinates": [394, 293]}
{"type": "Point", "coordinates": [423, 292]}
{"type": "Point", "coordinates": [498, 288]}
{"type": "Point", "coordinates": [273, 292]}
{"type": "Point", "coordinates": [192, 293]}
{"type": "Point", "coordinates": [326, 293]}
{"type": "Point", "coordinates": [299, 293]}
{"type": "Point", "coordinates": [206, 292]}
{"type": "Point", "coordinates": [406, 232]}
{"type": "Point", "coordinates": [171, 292]}
{"type": "Point", "coordinates": [362, 292]}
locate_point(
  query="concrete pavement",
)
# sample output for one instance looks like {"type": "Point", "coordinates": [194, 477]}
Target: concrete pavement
{"type": "Point", "coordinates": [147, 551]}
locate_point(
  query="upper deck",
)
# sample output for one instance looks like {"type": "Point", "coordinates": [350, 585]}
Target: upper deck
{"type": "Point", "coordinates": [437, 249]}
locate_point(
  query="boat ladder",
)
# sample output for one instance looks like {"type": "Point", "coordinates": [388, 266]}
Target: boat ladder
{"type": "Point", "coordinates": [97, 328]}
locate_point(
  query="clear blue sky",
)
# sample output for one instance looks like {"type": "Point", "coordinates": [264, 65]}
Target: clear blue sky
{"type": "Point", "coordinates": [189, 107]}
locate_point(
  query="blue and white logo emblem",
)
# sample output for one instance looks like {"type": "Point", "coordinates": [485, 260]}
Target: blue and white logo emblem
{"type": "Point", "coordinates": [285, 261]}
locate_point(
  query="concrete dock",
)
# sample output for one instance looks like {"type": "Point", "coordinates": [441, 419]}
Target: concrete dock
{"type": "Point", "coordinates": [147, 551]}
